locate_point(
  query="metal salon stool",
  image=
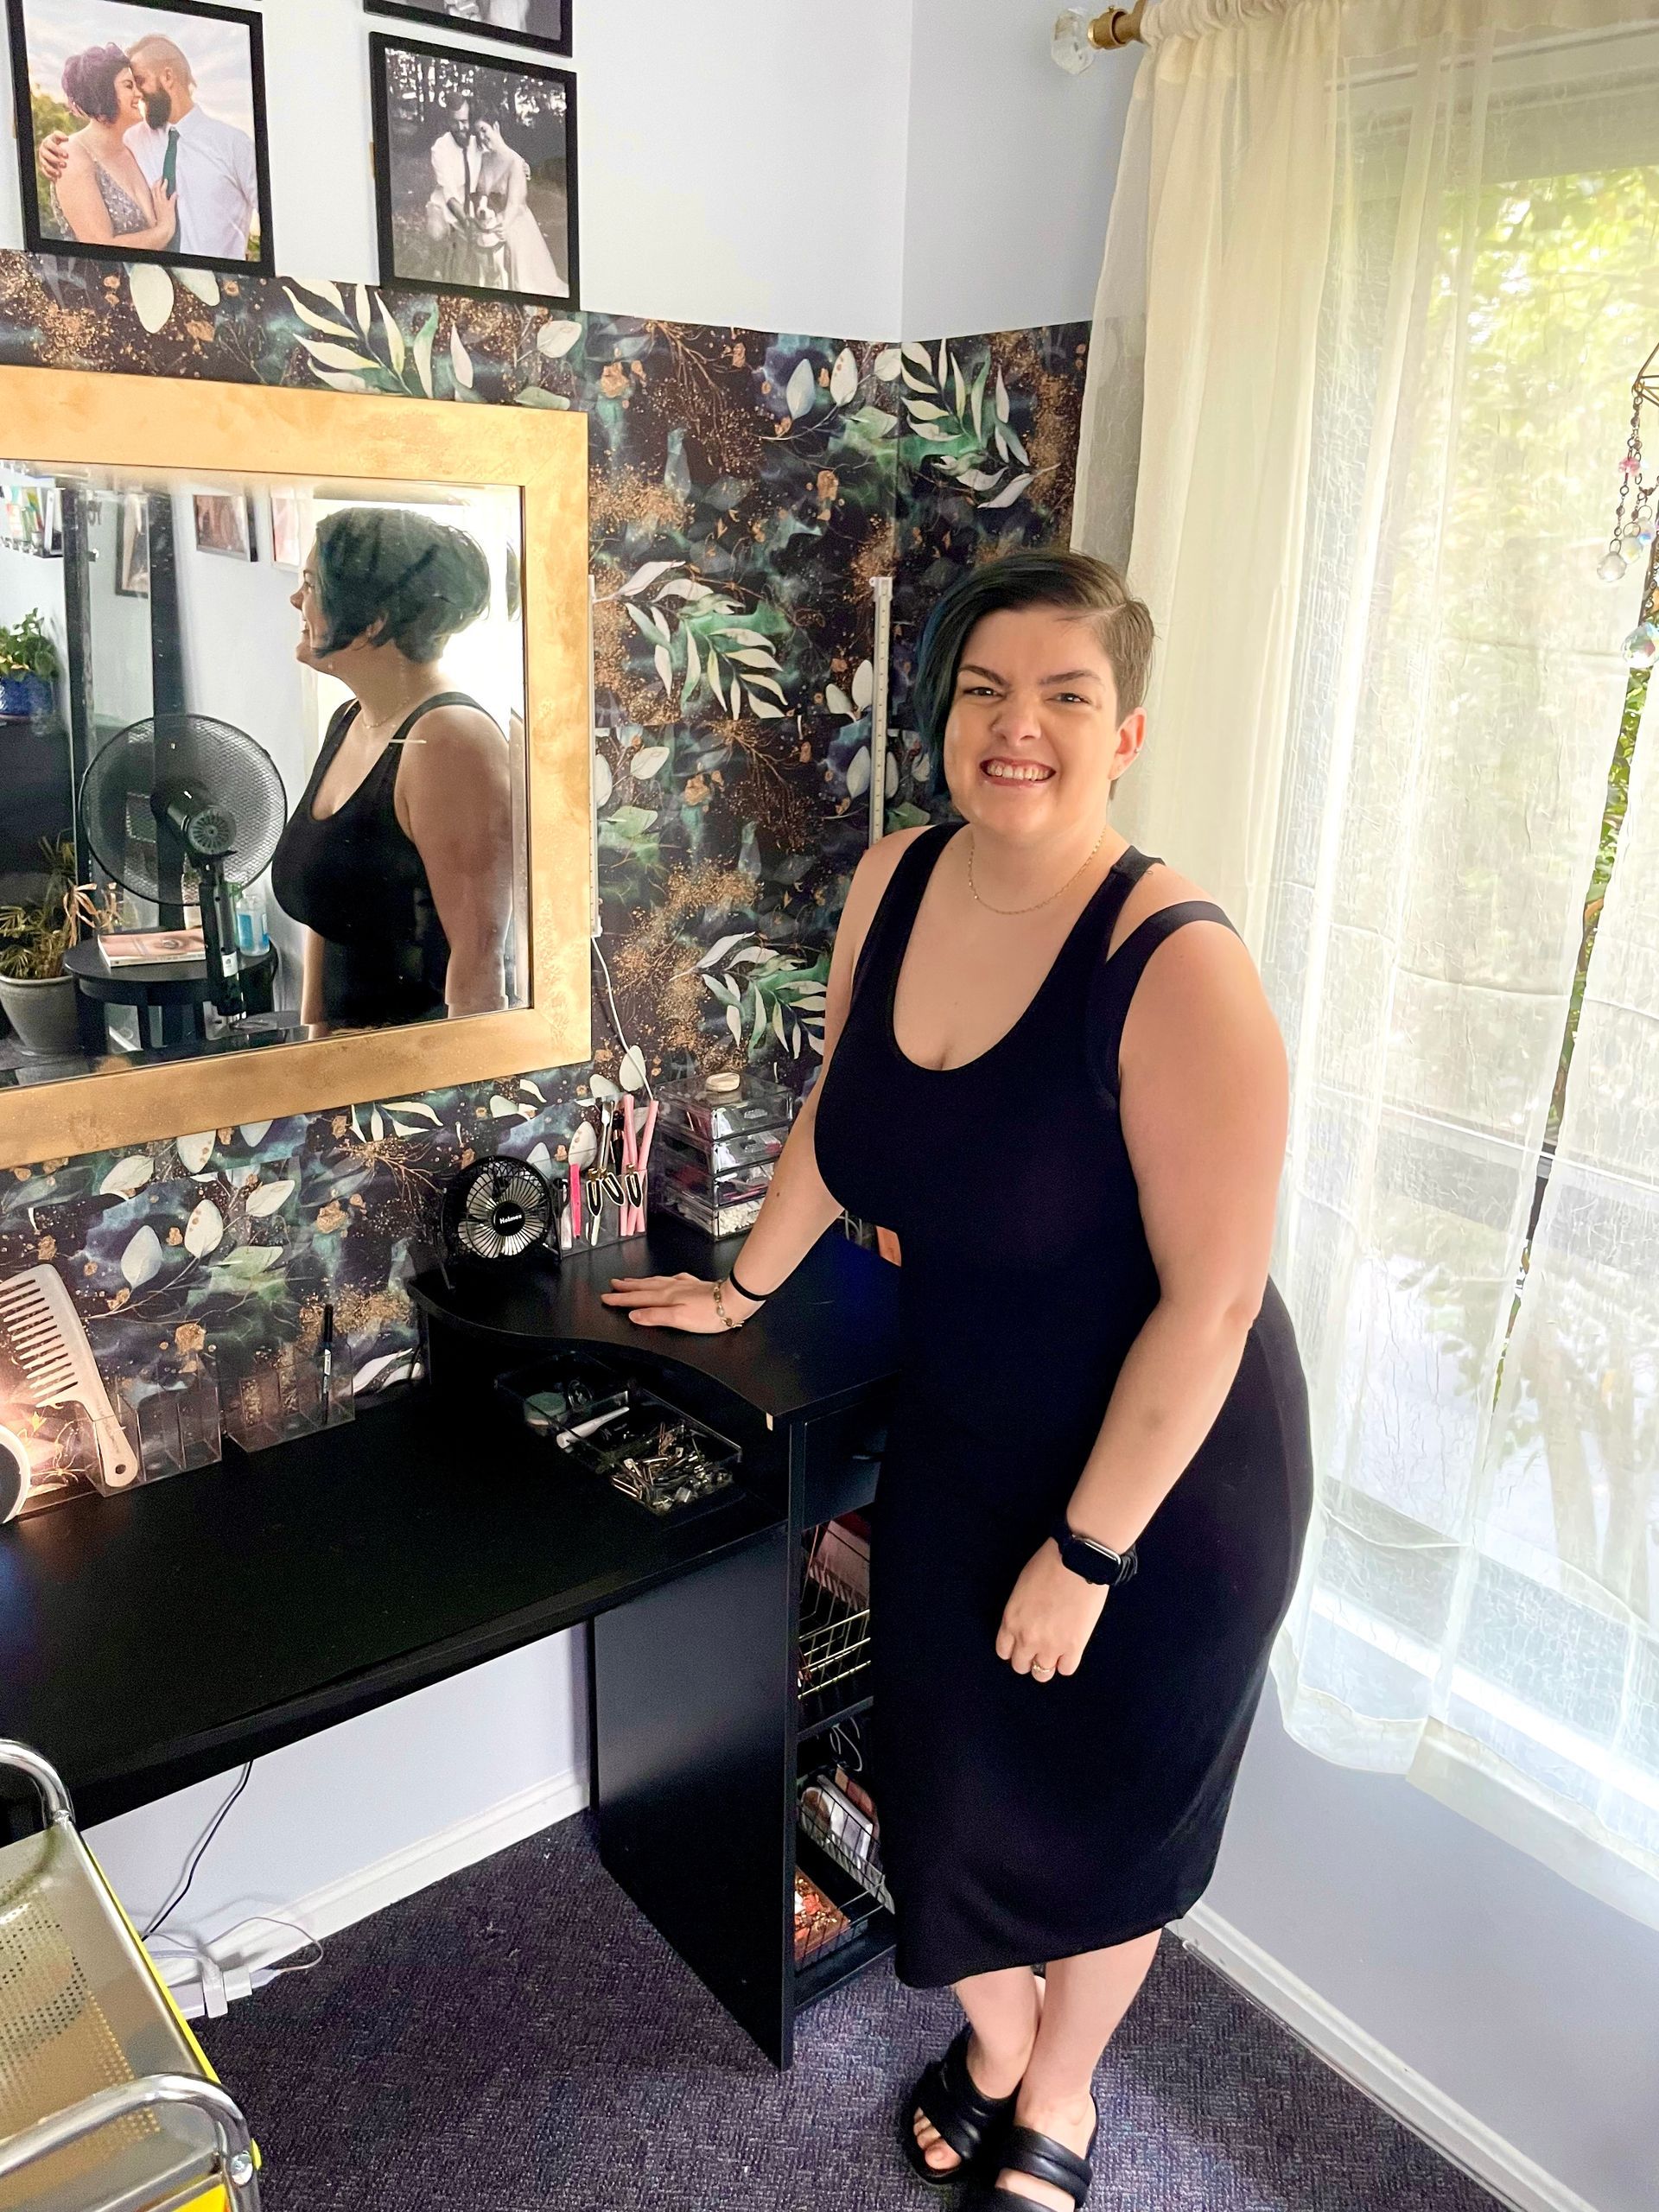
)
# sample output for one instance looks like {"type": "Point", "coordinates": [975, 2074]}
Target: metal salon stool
{"type": "Point", "coordinates": [107, 2102]}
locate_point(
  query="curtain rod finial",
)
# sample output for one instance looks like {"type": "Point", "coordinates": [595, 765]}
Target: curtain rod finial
{"type": "Point", "coordinates": [1078, 37]}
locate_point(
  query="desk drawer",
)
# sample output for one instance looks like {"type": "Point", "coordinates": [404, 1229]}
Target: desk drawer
{"type": "Point", "coordinates": [840, 1459]}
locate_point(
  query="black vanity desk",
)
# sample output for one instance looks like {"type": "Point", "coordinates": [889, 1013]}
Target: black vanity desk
{"type": "Point", "coordinates": [696, 1734]}
{"type": "Point", "coordinates": [151, 1640]}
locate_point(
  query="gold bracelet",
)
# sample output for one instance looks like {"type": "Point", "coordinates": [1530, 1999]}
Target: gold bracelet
{"type": "Point", "coordinates": [719, 1308]}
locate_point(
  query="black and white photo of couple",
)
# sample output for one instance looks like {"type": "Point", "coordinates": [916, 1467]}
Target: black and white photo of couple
{"type": "Point", "coordinates": [144, 123]}
{"type": "Point", "coordinates": [476, 177]}
{"type": "Point", "coordinates": [542, 23]}
{"type": "Point", "coordinates": [478, 214]}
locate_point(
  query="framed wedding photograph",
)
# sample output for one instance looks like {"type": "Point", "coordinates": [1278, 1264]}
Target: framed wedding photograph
{"type": "Point", "coordinates": [474, 174]}
{"type": "Point", "coordinates": [141, 131]}
{"type": "Point", "coordinates": [544, 24]}
{"type": "Point", "coordinates": [225, 524]}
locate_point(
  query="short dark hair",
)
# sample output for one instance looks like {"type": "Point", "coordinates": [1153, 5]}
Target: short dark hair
{"type": "Point", "coordinates": [1072, 583]}
{"type": "Point", "coordinates": [89, 80]}
{"type": "Point", "coordinates": [421, 581]}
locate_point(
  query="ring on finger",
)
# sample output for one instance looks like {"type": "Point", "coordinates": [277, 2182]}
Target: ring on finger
{"type": "Point", "coordinates": [1041, 1674]}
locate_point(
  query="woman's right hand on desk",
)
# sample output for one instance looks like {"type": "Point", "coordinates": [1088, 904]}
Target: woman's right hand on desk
{"type": "Point", "coordinates": [682, 1301]}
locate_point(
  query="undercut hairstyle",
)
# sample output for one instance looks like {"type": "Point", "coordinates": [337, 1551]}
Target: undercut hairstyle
{"type": "Point", "coordinates": [1072, 583]}
{"type": "Point", "coordinates": [161, 53]}
{"type": "Point", "coordinates": [420, 581]}
{"type": "Point", "coordinates": [89, 81]}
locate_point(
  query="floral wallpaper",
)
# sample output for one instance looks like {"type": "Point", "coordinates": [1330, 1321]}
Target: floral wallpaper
{"type": "Point", "coordinates": [747, 487]}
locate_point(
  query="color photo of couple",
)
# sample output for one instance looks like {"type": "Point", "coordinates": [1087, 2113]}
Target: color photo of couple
{"type": "Point", "coordinates": [144, 123]}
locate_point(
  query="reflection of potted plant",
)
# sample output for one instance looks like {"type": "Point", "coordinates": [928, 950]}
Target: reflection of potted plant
{"type": "Point", "coordinates": [29, 662]}
{"type": "Point", "coordinates": [37, 996]}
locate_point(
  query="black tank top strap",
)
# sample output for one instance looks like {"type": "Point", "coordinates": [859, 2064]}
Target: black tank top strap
{"type": "Point", "coordinates": [425, 707]}
{"type": "Point", "coordinates": [379, 786]}
{"type": "Point", "coordinates": [1116, 977]}
{"type": "Point", "coordinates": [895, 910]}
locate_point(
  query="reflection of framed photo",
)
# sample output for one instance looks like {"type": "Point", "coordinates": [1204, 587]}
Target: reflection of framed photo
{"type": "Point", "coordinates": [224, 523]}
{"type": "Point", "coordinates": [474, 174]}
{"type": "Point", "coordinates": [132, 546]}
{"type": "Point", "coordinates": [544, 23]}
{"type": "Point", "coordinates": [141, 130]}
{"type": "Point", "coordinates": [286, 551]}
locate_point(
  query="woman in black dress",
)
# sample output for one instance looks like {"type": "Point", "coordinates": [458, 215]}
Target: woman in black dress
{"type": "Point", "coordinates": [1051, 1069]}
{"type": "Point", "coordinates": [397, 858]}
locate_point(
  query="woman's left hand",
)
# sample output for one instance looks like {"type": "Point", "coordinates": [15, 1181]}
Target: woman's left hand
{"type": "Point", "coordinates": [1049, 1619]}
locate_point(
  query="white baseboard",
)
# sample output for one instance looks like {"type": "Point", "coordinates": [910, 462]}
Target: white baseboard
{"type": "Point", "coordinates": [258, 1944]}
{"type": "Point", "coordinates": [1346, 2048]}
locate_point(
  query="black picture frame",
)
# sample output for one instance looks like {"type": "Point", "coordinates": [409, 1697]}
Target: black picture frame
{"type": "Point", "coordinates": [435, 17]}
{"type": "Point", "coordinates": [38, 239]}
{"type": "Point", "coordinates": [474, 62]}
{"type": "Point", "coordinates": [206, 502]}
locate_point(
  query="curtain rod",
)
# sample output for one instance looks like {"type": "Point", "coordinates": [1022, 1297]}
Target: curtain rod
{"type": "Point", "coordinates": [1117, 27]}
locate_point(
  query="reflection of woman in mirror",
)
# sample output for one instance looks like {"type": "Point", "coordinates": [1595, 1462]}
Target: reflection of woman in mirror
{"type": "Point", "coordinates": [102, 194]}
{"type": "Point", "coordinates": [398, 857]}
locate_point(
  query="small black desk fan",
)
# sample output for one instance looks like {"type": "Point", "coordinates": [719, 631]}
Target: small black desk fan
{"type": "Point", "coordinates": [167, 805]}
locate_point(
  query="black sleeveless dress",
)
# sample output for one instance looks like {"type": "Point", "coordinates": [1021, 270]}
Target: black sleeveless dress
{"type": "Point", "coordinates": [1025, 1821]}
{"type": "Point", "coordinates": [357, 881]}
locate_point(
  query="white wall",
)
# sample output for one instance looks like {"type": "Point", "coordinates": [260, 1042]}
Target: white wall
{"type": "Point", "coordinates": [509, 1736]}
{"type": "Point", "coordinates": [883, 167]}
{"type": "Point", "coordinates": [1009, 171]}
{"type": "Point", "coordinates": [31, 586]}
{"type": "Point", "coordinates": [741, 160]}
{"type": "Point", "coordinates": [1530, 2003]}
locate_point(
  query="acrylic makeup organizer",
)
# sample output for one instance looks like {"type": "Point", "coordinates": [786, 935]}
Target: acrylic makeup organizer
{"type": "Point", "coordinates": [717, 1143]}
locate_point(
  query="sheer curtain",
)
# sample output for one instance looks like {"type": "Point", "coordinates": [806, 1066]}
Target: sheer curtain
{"type": "Point", "coordinates": [1378, 279]}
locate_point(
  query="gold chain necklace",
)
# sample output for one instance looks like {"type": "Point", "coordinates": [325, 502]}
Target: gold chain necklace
{"type": "Point", "coordinates": [373, 727]}
{"type": "Point", "coordinates": [1035, 903]}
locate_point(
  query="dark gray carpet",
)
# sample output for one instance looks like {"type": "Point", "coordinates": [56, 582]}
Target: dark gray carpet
{"type": "Point", "coordinates": [519, 2039]}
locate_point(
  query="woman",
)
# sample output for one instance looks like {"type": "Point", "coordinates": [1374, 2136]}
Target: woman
{"type": "Point", "coordinates": [1051, 1067]}
{"type": "Point", "coordinates": [398, 857]}
{"type": "Point", "coordinates": [523, 257]}
{"type": "Point", "coordinates": [102, 194]}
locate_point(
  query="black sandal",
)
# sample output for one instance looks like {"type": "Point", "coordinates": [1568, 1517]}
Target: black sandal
{"type": "Point", "coordinates": [972, 2124]}
{"type": "Point", "coordinates": [1043, 2158]}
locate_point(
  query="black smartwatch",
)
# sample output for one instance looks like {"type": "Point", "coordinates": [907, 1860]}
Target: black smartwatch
{"type": "Point", "coordinates": [1094, 1562]}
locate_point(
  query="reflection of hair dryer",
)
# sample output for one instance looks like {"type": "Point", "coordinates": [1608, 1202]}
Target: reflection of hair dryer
{"type": "Point", "coordinates": [215, 796]}
{"type": "Point", "coordinates": [207, 834]}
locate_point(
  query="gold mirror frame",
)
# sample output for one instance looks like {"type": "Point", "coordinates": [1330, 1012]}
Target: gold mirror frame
{"type": "Point", "coordinates": [57, 417]}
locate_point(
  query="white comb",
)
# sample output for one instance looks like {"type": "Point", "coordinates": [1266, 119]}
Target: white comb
{"type": "Point", "coordinates": [42, 1331]}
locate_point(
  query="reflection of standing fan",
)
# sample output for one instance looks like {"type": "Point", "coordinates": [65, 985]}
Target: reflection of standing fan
{"type": "Point", "coordinates": [168, 806]}
{"type": "Point", "coordinates": [498, 1210]}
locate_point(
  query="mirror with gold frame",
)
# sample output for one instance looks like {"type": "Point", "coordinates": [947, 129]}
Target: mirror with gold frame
{"type": "Point", "coordinates": [309, 731]}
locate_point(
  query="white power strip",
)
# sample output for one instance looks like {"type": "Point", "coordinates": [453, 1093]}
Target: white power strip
{"type": "Point", "coordinates": [203, 1988]}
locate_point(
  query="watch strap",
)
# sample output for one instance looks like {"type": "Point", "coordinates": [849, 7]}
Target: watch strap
{"type": "Point", "coordinates": [1095, 1562]}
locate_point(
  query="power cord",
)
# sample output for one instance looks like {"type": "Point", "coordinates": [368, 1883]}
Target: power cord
{"type": "Point", "coordinates": [616, 1020]}
{"type": "Point", "coordinates": [217, 1822]}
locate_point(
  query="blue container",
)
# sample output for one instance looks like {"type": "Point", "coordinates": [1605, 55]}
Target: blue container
{"type": "Point", "coordinates": [25, 698]}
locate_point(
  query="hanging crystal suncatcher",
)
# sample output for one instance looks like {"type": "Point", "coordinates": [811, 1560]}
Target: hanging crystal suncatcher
{"type": "Point", "coordinates": [1634, 524]}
